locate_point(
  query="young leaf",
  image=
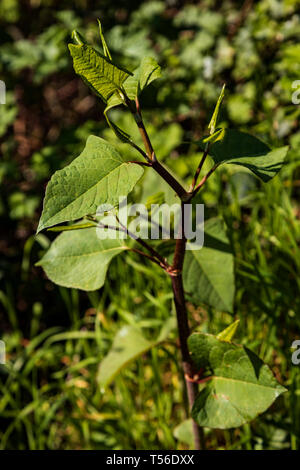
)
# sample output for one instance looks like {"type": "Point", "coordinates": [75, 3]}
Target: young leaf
{"type": "Point", "coordinates": [213, 122]}
{"type": "Point", "coordinates": [98, 71]}
{"type": "Point", "coordinates": [79, 259]}
{"type": "Point", "coordinates": [146, 73]}
{"type": "Point", "coordinates": [229, 332]}
{"type": "Point", "coordinates": [98, 176]}
{"type": "Point", "coordinates": [208, 273]}
{"type": "Point", "coordinates": [241, 388]}
{"type": "Point", "coordinates": [128, 344]}
{"type": "Point", "coordinates": [66, 228]}
{"type": "Point", "coordinates": [104, 45]}
{"type": "Point", "coordinates": [231, 146]}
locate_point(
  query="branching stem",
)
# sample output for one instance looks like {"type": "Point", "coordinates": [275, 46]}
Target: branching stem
{"type": "Point", "coordinates": [175, 271]}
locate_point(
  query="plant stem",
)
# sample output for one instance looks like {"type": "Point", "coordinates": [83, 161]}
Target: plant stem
{"type": "Point", "coordinates": [150, 154]}
{"type": "Point", "coordinates": [183, 327]}
{"type": "Point", "coordinates": [197, 173]}
{"type": "Point", "coordinates": [175, 271]}
{"type": "Point", "coordinates": [204, 179]}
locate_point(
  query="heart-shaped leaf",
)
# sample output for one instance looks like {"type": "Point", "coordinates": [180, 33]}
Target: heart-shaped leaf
{"type": "Point", "coordinates": [79, 259]}
{"type": "Point", "coordinates": [242, 385]}
{"type": "Point", "coordinates": [232, 146]}
{"type": "Point", "coordinates": [208, 272]}
{"type": "Point", "coordinates": [100, 175]}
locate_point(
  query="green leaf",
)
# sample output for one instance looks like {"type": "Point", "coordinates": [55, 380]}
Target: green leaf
{"type": "Point", "coordinates": [146, 73]}
{"type": "Point", "coordinates": [65, 228]}
{"type": "Point", "coordinates": [239, 148]}
{"type": "Point", "coordinates": [229, 332]}
{"type": "Point", "coordinates": [79, 259]}
{"type": "Point", "coordinates": [104, 45]}
{"type": "Point", "coordinates": [129, 343]}
{"type": "Point", "coordinates": [241, 388]}
{"type": "Point", "coordinates": [208, 273]}
{"type": "Point", "coordinates": [98, 71]}
{"type": "Point", "coordinates": [100, 175]}
{"type": "Point", "coordinates": [213, 122]}
{"type": "Point", "coordinates": [184, 432]}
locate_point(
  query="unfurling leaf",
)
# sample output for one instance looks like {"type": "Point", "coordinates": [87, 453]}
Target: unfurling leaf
{"type": "Point", "coordinates": [100, 175]}
{"type": "Point", "coordinates": [98, 71]}
{"type": "Point", "coordinates": [229, 332]}
{"type": "Point", "coordinates": [79, 259]}
{"type": "Point", "coordinates": [146, 73]}
{"type": "Point", "coordinates": [241, 387]}
{"type": "Point", "coordinates": [213, 122]}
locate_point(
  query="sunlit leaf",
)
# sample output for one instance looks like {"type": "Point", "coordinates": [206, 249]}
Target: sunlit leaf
{"type": "Point", "coordinates": [100, 175]}
{"type": "Point", "coordinates": [229, 332]}
{"type": "Point", "coordinates": [79, 259]}
{"type": "Point", "coordinates": [98, 71]}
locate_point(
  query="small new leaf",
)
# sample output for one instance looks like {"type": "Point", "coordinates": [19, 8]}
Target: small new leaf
{"type": "Point", "coordinates": [104, 45]}
{"type": "Point", "coordinates": [146, 73]}
{"type": "Point", "coordinates": [213, 122]}
{"type": "Point", "coordinates": [229, 332]}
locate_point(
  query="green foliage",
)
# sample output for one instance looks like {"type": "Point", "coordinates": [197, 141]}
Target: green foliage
{"type": "Point", "coordinates": [80, 259]}
{"type": "Point", "coordinates": [98, 71]}
{"type": "Point", "coordinates": [98, 176]}
{"type": "Point", "coordinates": [208, 273]}
{"type": "Point", "coordinates": [231, 146]}
{"type": "Point", "coordinates": [241, 386]}
{"type": "Point", "coordinates": [129, 343]}
{"type": "Point", "coordinates": [49, 395]}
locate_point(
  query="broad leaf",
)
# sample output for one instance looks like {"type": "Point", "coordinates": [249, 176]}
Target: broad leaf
{"type": "Point", "coordinates": [129, 343]}
{"type": "Point", "coordinates": [79, 259]}
{"type": "Point", "coordinates": [231, 146]}
{"type": "Point", "coordinates": [99, 175]}
{"type": "Point", "coordinates": [208, 273]}
{"type": "Point", "coordinates": [98, 71]}
{"type": "Point", "coordinates": [241, 387]}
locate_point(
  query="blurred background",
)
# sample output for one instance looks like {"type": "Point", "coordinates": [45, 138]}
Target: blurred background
{"type": "Point", "coordinates": [55, 337]}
